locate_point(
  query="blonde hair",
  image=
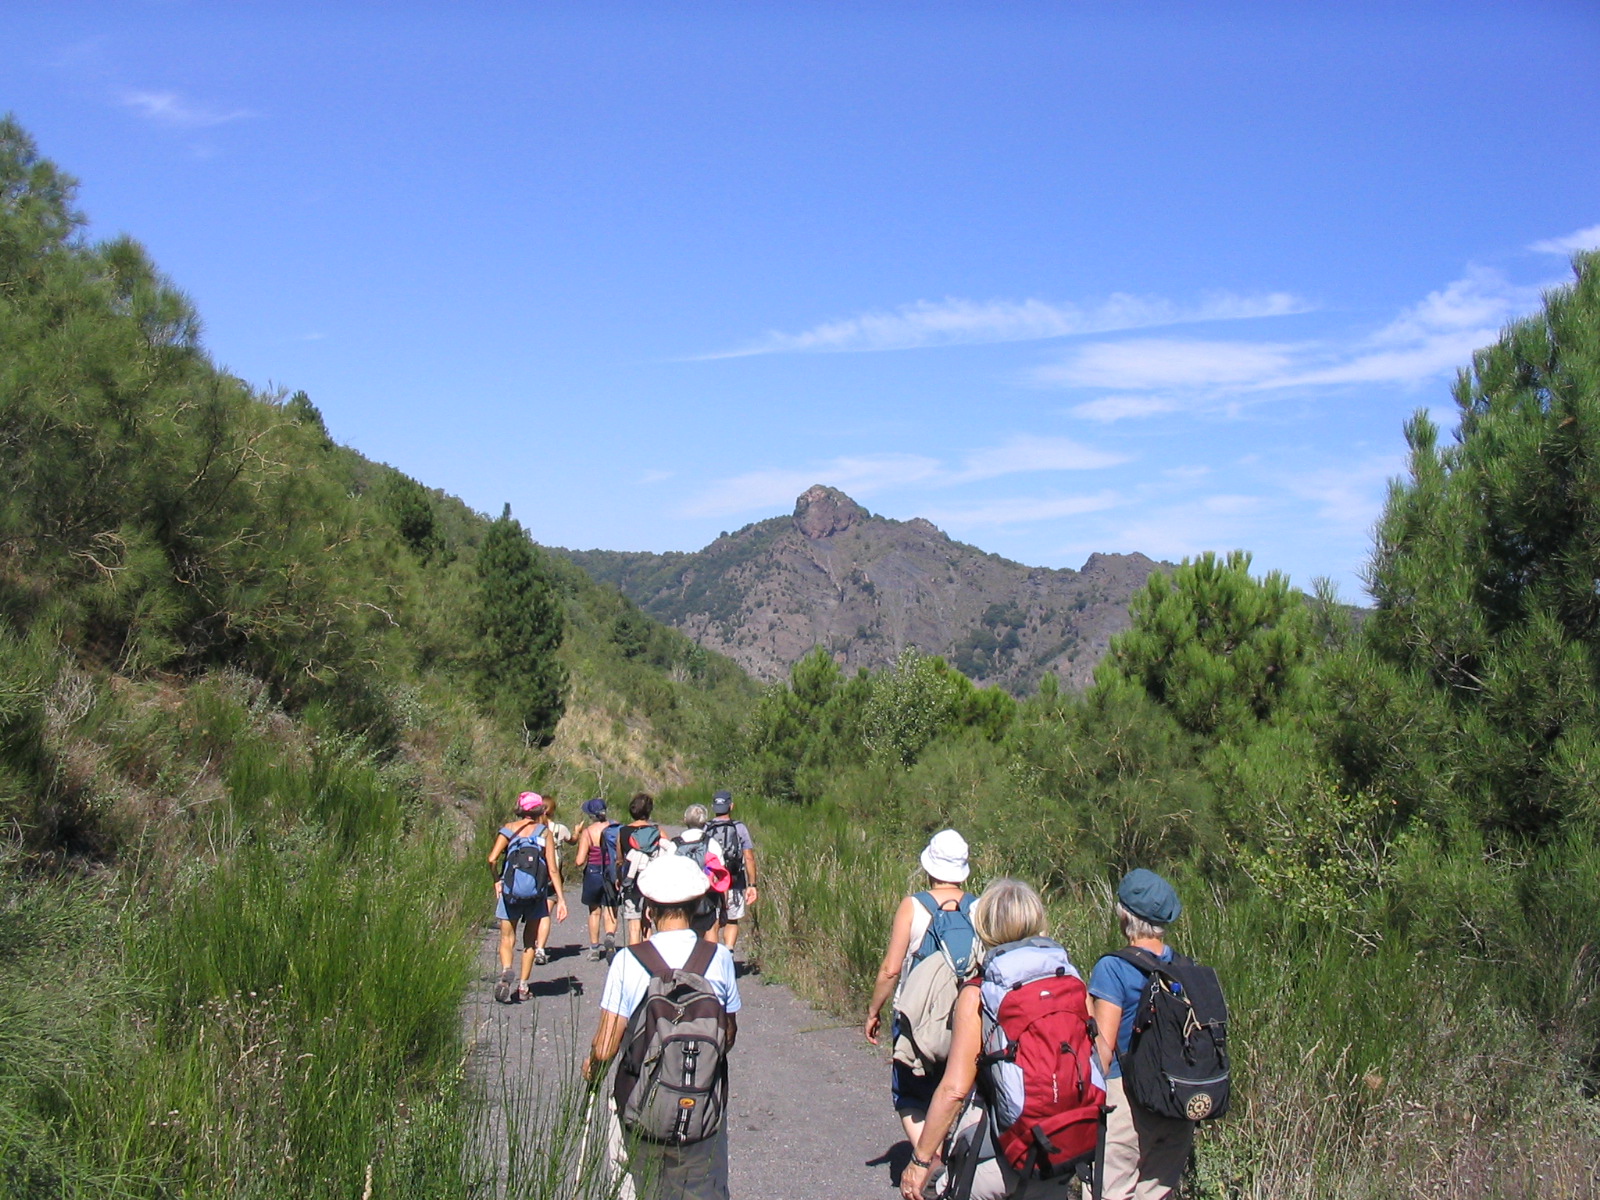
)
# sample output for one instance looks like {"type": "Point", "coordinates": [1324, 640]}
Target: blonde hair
{"type": "Point", "coordinates": [1008, 911]}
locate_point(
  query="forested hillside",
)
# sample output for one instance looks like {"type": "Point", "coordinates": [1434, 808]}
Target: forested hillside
{"type": "Point", "coordinates": [1386, 836]}
{"type": "Point", "coordinates": [258, 698]}
{"type": "Point", "coordinates": [865, 587]}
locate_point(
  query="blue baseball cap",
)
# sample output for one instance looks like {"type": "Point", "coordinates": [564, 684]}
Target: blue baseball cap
{"type": "Point", "coordinates": [595, 807]}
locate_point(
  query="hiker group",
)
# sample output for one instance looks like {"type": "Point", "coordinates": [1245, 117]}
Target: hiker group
{"type": "Point", "coordinates": [1012, 1076]}
{"type": "Point", "coordinates": [1015, 1078]}
{"type": "Point", "coordinates": [669, 1008]}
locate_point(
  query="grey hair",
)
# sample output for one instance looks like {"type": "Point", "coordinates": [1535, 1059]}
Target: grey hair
{"type": "Point", "coordinates": [695, 816]}
{"type": "Point", "coordinates": [1135, 927]}
{"type": "Point", "coordinates": [1008, 911]}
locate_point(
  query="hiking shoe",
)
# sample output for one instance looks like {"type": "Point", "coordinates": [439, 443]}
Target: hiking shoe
{"type": "Point", "coordinates": [596, 953]}
{"type": "Point", "coordinates": [540, 958]}
{"type": "Point", "coordinates": [504, 988]}
{"type": "Point", "coordinates": [524, 991]}
{"type": "Point", "coordinates": [611, 944]}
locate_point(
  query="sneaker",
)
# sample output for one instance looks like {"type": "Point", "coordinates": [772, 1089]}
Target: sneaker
{"type": "Point", "coordinates": [540, 958]}
{"type": "Point", "coordinates": [524, 991]}
{"type": "Point", "coordinates": [504, 988]}
{"type": "Point", "coordinates": [596, 952]}
{"type": "Point", "coordinates": [611, 944]}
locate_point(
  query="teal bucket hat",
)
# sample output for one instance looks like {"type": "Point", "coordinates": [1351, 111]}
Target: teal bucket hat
{"type": "Point", "coordinates": [1148, 896]}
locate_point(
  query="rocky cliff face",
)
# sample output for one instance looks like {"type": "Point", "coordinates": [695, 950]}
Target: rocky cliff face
{"type": "Point", "coordinates": [832, 574]}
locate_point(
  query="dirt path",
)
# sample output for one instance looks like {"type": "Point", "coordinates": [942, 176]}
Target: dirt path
{"type": "Point", "coordinates": [809, 1115]}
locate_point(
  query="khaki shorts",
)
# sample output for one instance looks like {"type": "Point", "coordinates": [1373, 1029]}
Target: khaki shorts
{"type": "Point", "coordinates": [733, 905]}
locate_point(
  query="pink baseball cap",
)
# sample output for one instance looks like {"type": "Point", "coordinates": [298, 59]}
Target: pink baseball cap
{"type": "Point", "coordinates": [530, 802]}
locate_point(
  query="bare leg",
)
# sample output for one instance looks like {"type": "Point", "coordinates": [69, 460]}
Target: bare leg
{"type": "Point", "coordinates": [730, 934]}
{"type": "Point", "coordinates": [594, 927]}
{"type": "Point", "coordinates": [529, 928]}
{"type": "Point", "coordinates": [508, 942]}
{"type": "Point", "coordinates": [633, 931]}
{"type": "Point", "coordinates": [542, 935]}
{"type": "Point", "coordinates": [611, 920]}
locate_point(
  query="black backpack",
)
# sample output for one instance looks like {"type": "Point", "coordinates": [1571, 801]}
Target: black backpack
{"type": "Point", "coordinates": [1177, 1060]}
{"type": "Point", "coordinates": [732, 846]}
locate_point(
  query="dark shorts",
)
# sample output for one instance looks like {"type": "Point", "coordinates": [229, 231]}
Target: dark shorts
{"type": "Point", "coordinates": [911, 1092]}
{"type": "Point", "coordinates": [595, 892]}
{"type": "Point", "coordinates": [522, 910]}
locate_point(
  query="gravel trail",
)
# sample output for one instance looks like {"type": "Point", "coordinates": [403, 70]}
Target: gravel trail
{"type": "Point", "coordinates": [809, 1115]}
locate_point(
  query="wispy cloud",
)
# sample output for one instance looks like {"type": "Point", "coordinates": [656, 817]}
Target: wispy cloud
{"type": "Point", "coordinates": [1149, 376]}
{"type": "Point", "coordinates": [953, 321]}
{"type": "Point", "coordinates": [1151, 363]}
{"type": "Point", "coordinates": [1121, 408]}
{"type": "Point", "coordinates": [1027, 452]}
{"type": "Point", "coordinates": [1349, 497]}
{"type": "Point", "coordinates": [1020, 510]}
{"type": "Point", "coordinates": [865, 475]}
{"type": "Point", "coordinates": [169, 108]}
{"type": "Point", "coordinates": [1582, 239]}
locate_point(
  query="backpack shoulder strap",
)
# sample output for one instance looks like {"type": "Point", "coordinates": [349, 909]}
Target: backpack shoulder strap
{"type": "Point", "coordinates": [650, 959]}
{"type": "Point", "coordinates": [1141, 958]}
{"type": "Point", "coordinates": [700, 960]}
{"type": "Point", "coordinates": [928, 902]}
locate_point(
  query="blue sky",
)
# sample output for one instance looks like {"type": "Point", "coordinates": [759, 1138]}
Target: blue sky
{"type": "Point", "coordinates": [1062, 277]}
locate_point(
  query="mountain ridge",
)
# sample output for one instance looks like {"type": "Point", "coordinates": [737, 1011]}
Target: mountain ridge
{"type": "Point", "coordinates": [832, 573]}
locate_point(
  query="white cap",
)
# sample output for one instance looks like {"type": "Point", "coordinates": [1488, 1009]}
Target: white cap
{"type": "Point", "coordinates": [945, 859]}
{"type": "Point", "coordinates": [672, 879]}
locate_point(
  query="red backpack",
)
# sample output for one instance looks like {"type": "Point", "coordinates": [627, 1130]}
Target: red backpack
{"type": "Point", "coordinates": [1039, 1069]}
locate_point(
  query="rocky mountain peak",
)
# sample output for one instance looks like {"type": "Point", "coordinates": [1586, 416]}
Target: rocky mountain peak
{"type": "Point", "coordinates": [824, 511]}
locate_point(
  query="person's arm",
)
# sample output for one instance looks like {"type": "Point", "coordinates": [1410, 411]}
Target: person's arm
{"type": "Point", "coordinates": [1108, 1020]}
{"type": "Point", "coordinates": [889, 970]}
{"type": "Point", "coordinates": [495, 853]}
{"type": "Point", "coordinates": [553, 861]}
{"type": "Point", "coordinates": [607, 1041]}
{"type": "Point", "coordinates": [733, 1029]}
{"type": "Point", "coordinates": [961, 1071]}
{"type": "Point", "coordinates": [750, 893]}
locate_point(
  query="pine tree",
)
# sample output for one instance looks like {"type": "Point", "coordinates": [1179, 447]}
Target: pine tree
{"type": "Point", "coordinates": [1487, 567]}
{"type": "Point", "coordinates": [520, 627]}
{"type": "Point", "coordinates": [1217, 647]}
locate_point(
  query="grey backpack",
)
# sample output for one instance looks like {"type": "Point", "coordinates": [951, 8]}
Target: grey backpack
{"type": "Point", "coordinates": [672, 1075]}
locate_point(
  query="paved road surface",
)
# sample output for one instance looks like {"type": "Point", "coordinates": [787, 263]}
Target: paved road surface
{"type": "Point", "coordinates": [809, 1115]}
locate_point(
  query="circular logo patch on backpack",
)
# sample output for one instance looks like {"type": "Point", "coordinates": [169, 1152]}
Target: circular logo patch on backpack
{"type": "Point", "coordinates": [688, 1102]}
{"type": "Point", "coordinates": [1199, 1106]}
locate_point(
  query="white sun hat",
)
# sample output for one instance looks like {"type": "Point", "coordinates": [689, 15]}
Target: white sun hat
{"type": "Point", "coordinates": [946, 857]}
{"type": "Point", "coordinates": [672, 879]}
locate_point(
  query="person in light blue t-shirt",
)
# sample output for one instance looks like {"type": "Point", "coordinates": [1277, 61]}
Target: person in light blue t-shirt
{"type": "Point", "coordinates": [1145, 1153]}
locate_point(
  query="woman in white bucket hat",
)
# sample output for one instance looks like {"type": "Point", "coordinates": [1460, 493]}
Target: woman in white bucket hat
{"type": "Point", "coordinates": [944, 861]}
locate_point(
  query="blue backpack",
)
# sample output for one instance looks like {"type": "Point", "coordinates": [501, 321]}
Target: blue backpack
{"type": "Point", "coordinates": [526, 874]}
{"type": "Point", "coordinates": [949, 933]}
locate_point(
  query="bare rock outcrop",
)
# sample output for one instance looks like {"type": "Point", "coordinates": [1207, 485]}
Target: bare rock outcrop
{"type": "Point", "coordinates": [834, 575]}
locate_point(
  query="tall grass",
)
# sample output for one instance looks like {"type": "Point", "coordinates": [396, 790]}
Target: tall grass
{"type": "Point", "coordinates": [1366, 1067]}
{"type": "Point", "coordinates": [264, 998]}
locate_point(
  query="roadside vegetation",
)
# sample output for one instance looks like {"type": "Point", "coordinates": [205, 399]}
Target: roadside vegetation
{"type": "Point", "coordinates": [1384, 831]}
{"type": "Point", "coordinates": [261, 700]}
